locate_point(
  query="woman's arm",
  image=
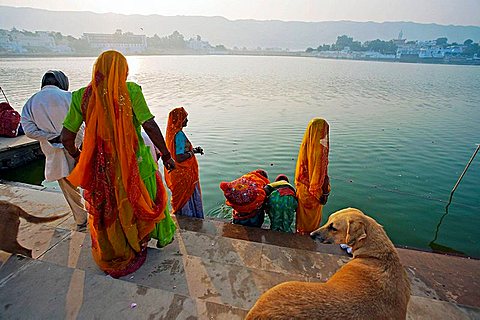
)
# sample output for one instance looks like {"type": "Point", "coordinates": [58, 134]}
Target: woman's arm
{"type": "Point", "coordinates": [68, 140]}
{"type": "Point", "coordinates": [183, 148]}
{"type": "Point", "coordinates": [184, 156]}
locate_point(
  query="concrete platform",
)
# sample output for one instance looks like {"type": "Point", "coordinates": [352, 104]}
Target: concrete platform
{"type": "Point", "coordinates": [15, 142]}
{"type": "Point", "coordinates": [18, 151]}
{"type": "Point", "coordinates": [212, 270]}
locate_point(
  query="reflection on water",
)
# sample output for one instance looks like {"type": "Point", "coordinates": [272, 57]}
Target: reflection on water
{"type": "Point", "coordinates": [400, 133]}
{"type": "Point", "coordinates": [32, 174]}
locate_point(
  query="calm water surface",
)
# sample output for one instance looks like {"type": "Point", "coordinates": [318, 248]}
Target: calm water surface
{"type": "Point", "coordinates": [401, 134]}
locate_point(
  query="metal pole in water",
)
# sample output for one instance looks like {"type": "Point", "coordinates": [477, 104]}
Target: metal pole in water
{"type": "Point", "coordinates": [432, 244]}
{"type": "Point", "coordinates": [461, 176]}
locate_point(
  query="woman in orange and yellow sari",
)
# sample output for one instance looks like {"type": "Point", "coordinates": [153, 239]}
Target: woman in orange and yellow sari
{"type": "Point", "coordinates": [183, 182]}
{"type": "Point", "coordinates": [311, 177]}
{"type": "Point", "coordinates": [124, 192]}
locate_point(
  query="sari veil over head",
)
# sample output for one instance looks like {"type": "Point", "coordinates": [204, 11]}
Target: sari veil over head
{"type": "Point", "coordinates": [310, 174]}
{"type": "Point", "coordinates": [313, 157]}
{"type": "Point", "coordinates": [122, 212]}
{"type": "Point", "coordinates": [183, 179]}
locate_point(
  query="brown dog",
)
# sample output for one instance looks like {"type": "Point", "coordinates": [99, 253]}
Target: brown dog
{"type": "Point", "coordinates": [373, 285]}
{"type": "Point", "coordinates": [9, 223]}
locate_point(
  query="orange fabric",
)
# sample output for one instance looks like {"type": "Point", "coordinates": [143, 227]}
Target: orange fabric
{"type": "Point", "coordinates": [246, 194]}
{"type": "Point", "coordinates": [310, 175]}
{"type": "Point", "coordinates": [183, 179]}
{"type": "Point", "coordinates": [121, 210]}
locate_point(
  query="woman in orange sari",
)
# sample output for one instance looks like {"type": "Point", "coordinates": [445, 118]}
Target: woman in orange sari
{"type": "Point", "coordinates": [311, 178]}
{"type": "Point", "coordinates": [184, 181]}
{"type": "Point", "coordinates": [124, 193]}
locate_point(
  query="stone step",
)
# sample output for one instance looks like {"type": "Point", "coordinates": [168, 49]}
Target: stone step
{"type": "Point", "coordinates": [438, 276]}
{"type": "Point", "coordinates": [220, 263]}
{"type": "Point", "coordinates": [35, 289]}
{"type": "Point", "coordinates": [43, 290]}
{"type": "Point", "coordinates": [229, 271]}
{"type": "Point", "coordinates": [214, 269]}
{"type": "Point", "coordinates": [225, 229]}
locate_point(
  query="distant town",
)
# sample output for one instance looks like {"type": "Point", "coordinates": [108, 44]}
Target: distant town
{"type": "Point", "coordinates": [46, 43]}
{"type": "Point", "coordinates": [426, 51]}
{"type": "Point", "coordinates": [16, 42]}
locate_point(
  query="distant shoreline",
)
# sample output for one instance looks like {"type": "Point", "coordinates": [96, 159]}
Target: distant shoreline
{"type": "Point", "coordinates": [248, 53]}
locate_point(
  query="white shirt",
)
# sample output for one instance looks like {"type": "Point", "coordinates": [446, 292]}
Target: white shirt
{"type": "Point", "coordinates": [149, 143]}
{"type": "Point", "coordinates": [42, 119]}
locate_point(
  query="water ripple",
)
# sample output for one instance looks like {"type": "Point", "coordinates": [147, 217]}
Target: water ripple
{"type": "Point", "coordinates": [400, 133]}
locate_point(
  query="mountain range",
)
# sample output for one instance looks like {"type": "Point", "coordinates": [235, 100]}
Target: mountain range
{"type": "Point", "coordinates": [294, 35]}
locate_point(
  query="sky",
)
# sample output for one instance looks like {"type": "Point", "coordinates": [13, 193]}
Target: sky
{"type": "Point", "coordinates": [456, 12]}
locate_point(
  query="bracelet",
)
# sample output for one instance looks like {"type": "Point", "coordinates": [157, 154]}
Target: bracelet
{"type": "Point", "coordinates": [75, 154]}
{"type": "Point", "coordinates": [167, 156]}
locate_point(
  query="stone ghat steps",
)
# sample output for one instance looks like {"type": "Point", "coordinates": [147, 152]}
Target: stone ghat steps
{"type": "Point", "coordinates": [205, 276]}
{"type": "Point", "coordinates": [35, 289]}
{"type": "Point", "coordinates": [218, 268]}
{"type": "Point", "coordinates": [197, 276]}
{"type": "Point", "coordinates": [212, 268]}
{"type": "Point", "coordinates": [438, 276]}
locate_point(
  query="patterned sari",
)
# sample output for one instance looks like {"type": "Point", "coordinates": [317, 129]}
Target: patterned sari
{"type": "Point", "coordinates": [311, 179]}
{"type": "Point", "coordinates": [182, 181]}
{"type": "Point", "coordinates": [246, 196]}
{"type": "Point", "coordinates": [116, 169]}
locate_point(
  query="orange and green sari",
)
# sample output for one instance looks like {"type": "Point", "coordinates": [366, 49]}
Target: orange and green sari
{"type": "Point", "coordinates": [311, 178]}
{"type": "Point", "coordinates": [123, 189]}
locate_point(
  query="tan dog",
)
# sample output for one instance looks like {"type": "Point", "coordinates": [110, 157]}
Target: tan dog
{"type": "Point", "coordinates": [373, 285]}
{"type": "Point", "coordinates": [9, 223]}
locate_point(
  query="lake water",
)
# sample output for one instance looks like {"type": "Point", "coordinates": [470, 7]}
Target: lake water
{"type": "Point", "coordinates": [401, 134]}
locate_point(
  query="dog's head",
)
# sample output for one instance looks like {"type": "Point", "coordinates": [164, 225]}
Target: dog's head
{"type": "Point", "coordinates": [344, 226]}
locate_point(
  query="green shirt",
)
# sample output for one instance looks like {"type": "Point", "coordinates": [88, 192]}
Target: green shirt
{"type": "Point", "coordinates": [141, 113]}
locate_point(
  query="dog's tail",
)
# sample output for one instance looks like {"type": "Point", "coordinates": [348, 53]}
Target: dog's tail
{"type": "Point", "coordinates": [33, 219]}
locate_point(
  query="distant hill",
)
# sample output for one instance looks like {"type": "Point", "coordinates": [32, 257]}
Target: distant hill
{"type": "Point", "coordinates": [294, 35]}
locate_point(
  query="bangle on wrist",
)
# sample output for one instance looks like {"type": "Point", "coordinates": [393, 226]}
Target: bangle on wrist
{"type": "Point", "coordinates": [167, 156]}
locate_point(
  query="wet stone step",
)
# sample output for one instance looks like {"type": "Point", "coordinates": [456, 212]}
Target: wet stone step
{"type": "Point", "coordinates": [34, 289]}
{"type": "Point", "coordinates": [216, 269]}
{"type": "Point", "coordinates": [75, 251]}
{"type": "Point", "coordinates": [229, 230]}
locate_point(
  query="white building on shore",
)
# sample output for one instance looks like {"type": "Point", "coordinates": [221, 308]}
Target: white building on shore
{"type": "Point", "coordinates": [198, 44]}
{"type": "Point", "coordinates": [21, 42]}
{"type": "Point", "coordinates": [124, 42]}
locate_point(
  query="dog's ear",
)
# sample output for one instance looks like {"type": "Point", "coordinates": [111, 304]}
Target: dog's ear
{"type": "Point", "coordinates": [355, 232]}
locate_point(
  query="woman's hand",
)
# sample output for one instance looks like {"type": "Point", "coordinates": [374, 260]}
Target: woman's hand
{"type": "Point", "coordinates": [324, 198]}
{"type": "Point", "coordinates": [198, 150]}
{"type": "Point", "coordinates": [169, 164]}
{"type": "Point", "coordinates": [168, 161]}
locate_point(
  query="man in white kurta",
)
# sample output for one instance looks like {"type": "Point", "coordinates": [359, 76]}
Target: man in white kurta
{"type": "Point", "coordinates": [42, 118]}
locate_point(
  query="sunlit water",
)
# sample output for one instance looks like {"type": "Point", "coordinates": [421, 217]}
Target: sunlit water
{"type": "Point", "coordinates": [401, 134]}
